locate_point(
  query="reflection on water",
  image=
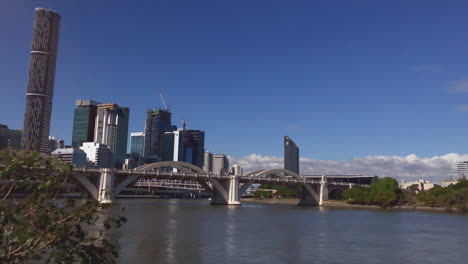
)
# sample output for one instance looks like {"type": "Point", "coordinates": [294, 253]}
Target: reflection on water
{"type": "Point", "coordinates": [192, 231]}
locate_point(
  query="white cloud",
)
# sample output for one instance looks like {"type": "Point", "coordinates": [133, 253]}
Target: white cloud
{"type": "Point", "coordinates": [463, 108]}
{"type": "Point", "coordinates": [427, 68]}
{"type": "Point", "coordinates": [292, 127]}
{"type": "Point", "coordinates": [459, 86]}
{"type": "Point", "coordinates": [410, 167]}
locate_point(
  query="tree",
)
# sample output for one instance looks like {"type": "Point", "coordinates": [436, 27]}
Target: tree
{"type": "Point", "coordinates": [282, 190]}
{"type": "Point", "coordinates": [38, 225]}
{"type": "Point", "coordinates": [383, 192]}
{"type": "Point", "coordinates": [262, 194]}
{"type": "Point", "coordinates": [357, 194]}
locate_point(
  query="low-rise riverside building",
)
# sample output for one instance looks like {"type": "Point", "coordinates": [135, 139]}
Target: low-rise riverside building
{"type": "Point", "coordinates": [98, 155]}
{"type": "Point", "coordinates": [421, 185]}
{"type": "Point", "coordinates": [74, 156]}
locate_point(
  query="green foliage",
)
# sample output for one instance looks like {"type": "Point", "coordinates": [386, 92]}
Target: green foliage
{"type": "Point", "coordinates": [357, 195]}
{"type": "Point", "coordinates": [383, 192]}
{"type": "Point", "coordinates": [409, 197]}
{"type": "Point", "coordinates": [262, 194]}
{"type": "Point", "coordinates": [453, 196]}
{"type": "Point", "coordinates": [39, 226]}
{"type": "Point", "coordinates": [282, 190]}
{"type": "Point", "coordinates": [386, 193]}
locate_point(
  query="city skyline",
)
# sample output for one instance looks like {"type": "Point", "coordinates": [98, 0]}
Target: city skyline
{"type": "Point", "coordinates": [369, 127]}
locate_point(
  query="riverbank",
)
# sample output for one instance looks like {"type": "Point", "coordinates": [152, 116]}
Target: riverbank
{"type": "Point", "coordinates": [343, 204]}
{"type": "Point", "coordinates": [270, 201]}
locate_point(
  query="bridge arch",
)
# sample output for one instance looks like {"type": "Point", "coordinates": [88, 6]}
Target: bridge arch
{"type": "Point", "coordinates": [183, 166]}
{"type": "Point", "coordinates": [275, 172]}
{"type": "Point", "coordinates": [252, 173]}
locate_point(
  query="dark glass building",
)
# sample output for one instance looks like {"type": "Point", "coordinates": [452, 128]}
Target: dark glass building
{"type": "Point", "coordinates": [291, 155]}
{"type": "Point", "coordinates": [9, 137]}
{"type": "Point", "coordinates": [137, 146]}
{"type": "Point", "coordinates": [137, 143]}
{"type": "Point", "coordinates": [188, 146]}
{"type": "Point", "coordinates": [167, 147]}
{"type": "Point", "coordinates": [158, 122]}
{"type": "Point", "coordinates": [84, 122]}
{"type": "Point", "coordinates": [40, 90]}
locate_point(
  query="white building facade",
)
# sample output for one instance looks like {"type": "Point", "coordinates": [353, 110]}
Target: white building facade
{"type": "Point", "coordinates": [98, 155]}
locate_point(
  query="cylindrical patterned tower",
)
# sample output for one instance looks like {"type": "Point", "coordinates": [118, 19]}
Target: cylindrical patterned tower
{"type": "Point", "coordinates": [41, 80]}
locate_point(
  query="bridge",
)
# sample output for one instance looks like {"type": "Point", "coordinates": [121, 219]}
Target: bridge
{"type": "Point", "coordinates": [105, 184]}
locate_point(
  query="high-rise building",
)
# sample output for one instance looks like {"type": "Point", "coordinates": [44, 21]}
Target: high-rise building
{"type": "Point", "coordinates": [220, 164]}
{"type": "Point", "coordinates": [40, 90]}
{"type": "Point", "coordinates": [137, 146]}
{"type": "Point", "coordinates": [83, 122]}
{"type": "Point", "coordinates": [208, 162]}
{"type": "Point", "coordinates": [463, 169]}
{"type": "Point", "coordinates": [97, 155]}
{"type": "Point", "coordinates": [188, 146]}
{"type": "Point", "coordinates": [158, 122]}
{"type": "Point", "coordinates": [74, 156]}
{"type": "Point", "coordinates": [111, 129]}
{"type": "Point", "coordinates": [137, 143]}
{"type": "Point", "coordinates": [9, 137]}
{"type": "Point", "coordinates": [291, 155]}
{"type": "Point", "coordinates": [55, 144]}
{"type": "Point", "coordinates": [166, 150]}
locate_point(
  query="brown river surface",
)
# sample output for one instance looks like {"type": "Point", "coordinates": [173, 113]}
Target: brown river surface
{"type": "Point", "coordinates": [193, 231]}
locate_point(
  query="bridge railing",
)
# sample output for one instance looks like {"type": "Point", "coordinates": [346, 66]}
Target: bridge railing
{"type": "Point", "coordinates": [170, 184]}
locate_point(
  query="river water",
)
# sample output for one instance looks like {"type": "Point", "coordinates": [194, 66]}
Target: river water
{"type": "Point", "coordinates": [192, 231]}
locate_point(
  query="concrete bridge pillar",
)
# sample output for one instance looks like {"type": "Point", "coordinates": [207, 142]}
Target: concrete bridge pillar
{"type": "Point", "coordinates": [226, 191]}
{"type": "Point", "coordinates": [106, 184]}
{"type": "Point", "coordinates": [323, 190]}
{"type": "Point", "coordinates": [234, 190]}
{"type": "Point", "coordinates": [308, 195]}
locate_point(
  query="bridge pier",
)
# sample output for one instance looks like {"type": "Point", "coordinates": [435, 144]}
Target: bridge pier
{"type": "Point", "coordinates": [225, 191]}
{"type": "Point", "coordinates": [323, 190]}
{"type": "Point", "coordinates": [106, 184]}
{"type": "Point", "coordinates": [308, 195]}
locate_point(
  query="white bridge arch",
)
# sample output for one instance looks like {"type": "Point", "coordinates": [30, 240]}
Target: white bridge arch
{"type": "Point", "coordinates": [281, 173]}
{"type": "Point", "coordinates": [179, 165]}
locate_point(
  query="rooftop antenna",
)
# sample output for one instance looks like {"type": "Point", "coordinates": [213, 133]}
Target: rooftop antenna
{"type": "Point", "coordinates": [183, 124]}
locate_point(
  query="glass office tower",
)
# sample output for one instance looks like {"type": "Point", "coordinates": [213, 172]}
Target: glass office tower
{"type": "Point", "coordinates": [158, 122]}
{"type": "Point", "coordinates": [291, 155]}
{"type": "Point", "coordinates": [84, 122]}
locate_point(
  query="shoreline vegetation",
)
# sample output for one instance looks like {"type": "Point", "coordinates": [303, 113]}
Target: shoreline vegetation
{"type": "Point", "coordinates": [344, 204]}
{"type": "Point", "coordinates": [382, 193]}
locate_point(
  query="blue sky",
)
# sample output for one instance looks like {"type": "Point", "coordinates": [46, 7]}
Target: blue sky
{"type": "Point", "coordinates": [344, 79]}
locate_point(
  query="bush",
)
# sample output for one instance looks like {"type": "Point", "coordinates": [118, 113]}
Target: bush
{"type": "Point", "coordinates": [358, 195]}
{"type": "Point", "coordinates": [262, 194]}
{"type": "Point", "coordinates": [39, 226]}
{"type": "Point", "coordinates": [384, 192]}
{"type": "Point", "coordinates": [453, 196]}
{"type": "Point", "coordinates": [282, 190]}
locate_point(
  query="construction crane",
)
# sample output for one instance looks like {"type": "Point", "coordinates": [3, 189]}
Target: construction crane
{"type": "Point", "coordinates": [164, 102]}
